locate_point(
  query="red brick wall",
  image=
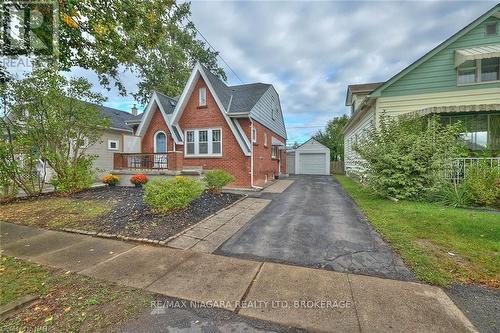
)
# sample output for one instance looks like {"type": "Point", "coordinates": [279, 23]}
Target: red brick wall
{"type": "Point", "coordinates": [265, 167]}
{"type": "Point", "coordinates": [233, 159]}
{"type": "Point", "coordinates": [157, 124]}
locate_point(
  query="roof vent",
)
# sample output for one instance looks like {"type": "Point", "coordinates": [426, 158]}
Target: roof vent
{"type": "Point", "coordinates": [491, 29]}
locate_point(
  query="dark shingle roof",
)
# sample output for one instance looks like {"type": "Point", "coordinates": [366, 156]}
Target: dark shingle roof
{"type": "Point", "coordinates": [167, 103]}
{"type": "Point", "coordinates": [242, 97]}
{"type": "Point", "coordinates": [118, 118]}
{"type": "Point", "coordinates": [364, 87]}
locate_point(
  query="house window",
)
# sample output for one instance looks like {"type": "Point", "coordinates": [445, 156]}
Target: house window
{"type": "Point", "coordinates": [491, 29]}
{"type": "Point", "coordinates": [274, 151]}
{"type": "Point", "coordinates": [490, 69]}
{"type": "Point", "coordinates": [467, 72]}
{"type": "Point", "coordinates": [190, 143]}
{"type": "Point", "coordinates": [202, 94]}
{"type": "Point", "coordinates": [160, 143]}
{"type": "Point", "coordinates": [113, 144]}
{"type": "Point", "coordinates": [216, 142]}
{"type": "Point", "coordinates": [265, 139]}
{"type": "Point", "coordinates": [254, 135]}
{"type": "Point", "coordinates": [204, 142]}
{"type": "Point", "coordinates": [475, 71]}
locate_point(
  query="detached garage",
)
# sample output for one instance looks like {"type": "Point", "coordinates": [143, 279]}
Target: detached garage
{"type": "Point", "coordinates": [311, 158]}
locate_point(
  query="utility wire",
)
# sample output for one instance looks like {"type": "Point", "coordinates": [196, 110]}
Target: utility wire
{"type": "Point", "coordinates": [215, 50]}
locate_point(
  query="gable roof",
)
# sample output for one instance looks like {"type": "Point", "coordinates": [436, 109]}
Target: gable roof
{"type": "Point", "coordinates": [435, 50]}
{"type": "Point", "coordinates": [313, 141]}
{"type": "Point", "coordinates": [359, 89]}
{"type": "Point", "coordinates": [167, 103]}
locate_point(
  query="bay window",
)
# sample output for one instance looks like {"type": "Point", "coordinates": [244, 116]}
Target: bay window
{"type": "Point", "coordinates": [204, 142]}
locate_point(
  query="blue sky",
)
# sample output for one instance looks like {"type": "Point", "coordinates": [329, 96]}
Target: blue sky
{"type": "Point", "coordinates": [311, 51]}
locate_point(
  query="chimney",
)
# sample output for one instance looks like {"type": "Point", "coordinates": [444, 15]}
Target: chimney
{"type": "Point", "coordinates": [134, 110]}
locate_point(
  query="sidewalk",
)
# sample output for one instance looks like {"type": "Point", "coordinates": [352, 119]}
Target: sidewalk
{"type": "Point", "coordinates": [300, 297]}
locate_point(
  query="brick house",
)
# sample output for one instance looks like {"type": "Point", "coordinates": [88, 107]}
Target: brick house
{"type": "Point", "coordinates": [239, 129]}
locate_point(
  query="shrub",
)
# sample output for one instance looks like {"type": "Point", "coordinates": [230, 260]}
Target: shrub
{"type": "Point", "coordinates": [217, 179]}
{"type": "Point", "coordinates": [74, 178]}
{"type": "Point", "coordinates": [169, 194]}
{"type": "Point", "coordinates": [139, 179]}
{"type": "Point", "coordinates": [407, 155]}
{"type": "Point", "coordinates": [455, 195]}
{"type": "Point", "coordinates": [110, 179]}
{"type": "Point", "coordinates": [483, 184]}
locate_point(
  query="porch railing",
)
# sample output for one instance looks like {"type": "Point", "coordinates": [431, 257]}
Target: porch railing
{"type": "Point", "coordinates": [152, 161]}
{"type": "Point", "coordinates": [460, 166]}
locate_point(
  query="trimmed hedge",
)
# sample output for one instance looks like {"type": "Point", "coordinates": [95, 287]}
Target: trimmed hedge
{"type": "Point", "coordinates": [165, 195]}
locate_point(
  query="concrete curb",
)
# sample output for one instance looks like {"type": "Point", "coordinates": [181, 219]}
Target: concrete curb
{"type": "Point", "coordinates": [148, 240]}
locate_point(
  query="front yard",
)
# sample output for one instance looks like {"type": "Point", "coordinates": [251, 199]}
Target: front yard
{"type": "Point", "coordinates": [67, 302]}
{"type": "Point", "coordinates": [441, 245]}
{"type": "Point", "coordinates": [114, 210]}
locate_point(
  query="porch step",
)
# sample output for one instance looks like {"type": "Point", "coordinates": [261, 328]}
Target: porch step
{"type": "Point", "coordinates": [191, 172]}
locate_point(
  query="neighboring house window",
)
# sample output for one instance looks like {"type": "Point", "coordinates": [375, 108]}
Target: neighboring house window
{"type": "Point", "coordinates": [204, 142]}
{"type": "Point", "coordinates": [265, 139]}
{"type": "Point", "coordinates": [467, 72]}
{"type": "Point", "coordinates": [202, 94]}
{"type": "Point", "coordinates": [113, 144]}
{"type": "Point", "coordinates": [482, 130]}
{"type": "Point", "coordinates": [475, 71]}
{"type": "Point", "coordinates": [490, 69]}
{"type": "Point", "coordinates": [254, 135]}
{"type": "Point", "coordinates": [491, 29]}
{"type": "Point", "coordinates": [160, 143]}
{"type": "Point", "coordinates": [274, 152]}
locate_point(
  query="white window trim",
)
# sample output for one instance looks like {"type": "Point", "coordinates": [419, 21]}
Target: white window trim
{"type": "Point", "coordinates": [202, 102]}
{"type": "Point", "coordinates": [154, 142]}
{"type": "Point", "coordinates": [478, 76]}
{"type": "Point", "coordinates": [110, 141]}
{"type": "Point", "coordinates": [196, 142]}
{"type": "Point", "coordinates": [254, 135]}
{"type": "Point", "coordinates": [265, 139]}
{"type": "Point", "coordinates": [274, 149]}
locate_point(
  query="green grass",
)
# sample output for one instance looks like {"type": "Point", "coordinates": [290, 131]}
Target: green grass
{"type": "Point", "coordinates": [68, 302]}
{"type": "Point", "coordinates": [54, 212]}
{"type": "Point", "coordinates": [441, 245]}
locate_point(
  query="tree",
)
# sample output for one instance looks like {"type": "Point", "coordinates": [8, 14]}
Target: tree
{"type": "Point", "coordinates": [407, 156]}
{"type": "Point", "coordinates": [155, 39]}
{"type": "Point", "coordinates": [333, 138]}
{"type": "Point", "coordinates": [52, 120]}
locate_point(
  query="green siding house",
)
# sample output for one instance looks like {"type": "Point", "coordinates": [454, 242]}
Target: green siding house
{"type": "Point", "coordinates": [459, 80]}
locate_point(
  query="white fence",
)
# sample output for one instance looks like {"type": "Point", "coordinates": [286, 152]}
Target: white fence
{"type": "Point", "coordinates": [460, 166]}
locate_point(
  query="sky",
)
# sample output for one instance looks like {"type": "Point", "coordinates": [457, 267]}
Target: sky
{"type": "Point", "coordinates": [311, 50]}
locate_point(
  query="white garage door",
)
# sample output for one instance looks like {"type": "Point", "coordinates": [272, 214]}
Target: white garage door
{"type": "Point", "coordinates": [312, 163]}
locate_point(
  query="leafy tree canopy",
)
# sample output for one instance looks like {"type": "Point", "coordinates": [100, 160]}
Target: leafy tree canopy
{"type": "Point", "coordinates": [333, 138]}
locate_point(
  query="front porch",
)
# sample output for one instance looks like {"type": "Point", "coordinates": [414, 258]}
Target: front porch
{"type": "Point", "coordinates": [169, 164]}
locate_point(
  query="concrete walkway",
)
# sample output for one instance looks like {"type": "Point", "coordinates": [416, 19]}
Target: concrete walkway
{"type": "Point", "coordinates": [207, 235]}
{"type": "Point", "coordinates": [311, 299]}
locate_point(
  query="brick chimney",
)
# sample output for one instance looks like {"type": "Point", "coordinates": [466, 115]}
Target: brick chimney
{"type": "Point", "coordinates": [134, 110]}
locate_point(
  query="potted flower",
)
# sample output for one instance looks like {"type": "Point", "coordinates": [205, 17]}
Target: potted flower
{"type": "Point", "coordinates": [111, 180]}
{"type": "Point", "coordinates": [139, 180]}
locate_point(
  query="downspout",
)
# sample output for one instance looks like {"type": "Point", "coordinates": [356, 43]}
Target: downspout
{"type": "Point", "coordinates": [251, 156]}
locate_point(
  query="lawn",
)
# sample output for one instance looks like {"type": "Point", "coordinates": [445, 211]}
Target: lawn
{"type": "Point", "coordinates": [441, 245]}
{"type": "Point", "coordinates": [115, 210]}
{"type": "Point", "coordinates": [68, 302]}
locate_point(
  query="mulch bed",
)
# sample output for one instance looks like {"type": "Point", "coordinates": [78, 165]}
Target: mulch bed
{"type": "Point", "coordinates": [131, 217]}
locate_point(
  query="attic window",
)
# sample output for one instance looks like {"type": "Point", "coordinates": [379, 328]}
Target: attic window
{"type": "Point", "coordinates": [202, 95]}
{"type": "Point", "coordinates": [491, 29]}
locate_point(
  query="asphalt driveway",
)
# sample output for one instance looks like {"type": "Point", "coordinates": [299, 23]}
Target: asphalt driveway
{"type": "Point", "coordinates": [315, 223]}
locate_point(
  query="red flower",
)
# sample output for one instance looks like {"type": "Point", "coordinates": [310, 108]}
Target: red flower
{"type": "Point", "coordinates": [139, 179]}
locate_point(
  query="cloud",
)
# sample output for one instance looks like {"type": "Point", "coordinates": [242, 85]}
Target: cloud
{"type": "Point", "coordinates": [311, 51]}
